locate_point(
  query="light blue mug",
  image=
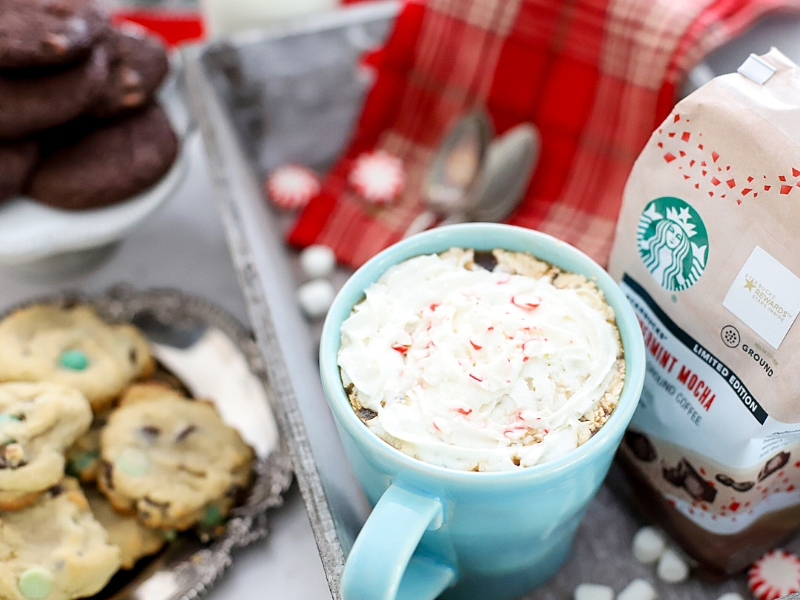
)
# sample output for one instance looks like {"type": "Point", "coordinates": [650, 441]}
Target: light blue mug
{"type": "Point", "coordinates": [461, 534]}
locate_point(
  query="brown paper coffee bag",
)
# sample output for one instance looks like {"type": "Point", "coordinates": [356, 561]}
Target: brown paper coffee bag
{"type": "Point", "coordinates": [708, 252]}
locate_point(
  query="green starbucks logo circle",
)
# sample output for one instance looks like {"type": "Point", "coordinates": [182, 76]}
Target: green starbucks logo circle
{"type": "Point", "coordinates": [673, 243]}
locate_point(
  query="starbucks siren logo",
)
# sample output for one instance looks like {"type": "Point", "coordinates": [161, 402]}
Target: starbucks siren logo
{"type": "Point", "coordinates": [673, 243]}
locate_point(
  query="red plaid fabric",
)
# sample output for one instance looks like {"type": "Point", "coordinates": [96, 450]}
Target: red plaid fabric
{"type": "Point", "coordinates": [174, 27]}
{"type": "Point", "coordinates": [595, 76]}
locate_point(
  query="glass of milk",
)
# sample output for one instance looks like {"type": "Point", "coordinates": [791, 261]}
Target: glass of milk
{"type": "Point", "coordinates": [223, 17]}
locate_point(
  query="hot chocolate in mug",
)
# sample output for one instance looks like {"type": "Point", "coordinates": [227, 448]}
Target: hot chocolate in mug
{"type": "Point", "coordinates": [459, 534]}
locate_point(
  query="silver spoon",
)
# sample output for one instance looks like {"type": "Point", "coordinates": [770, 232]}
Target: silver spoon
{"type": "Point", "coordinates": [455, 170]}
{"type": "Point", "coordinates": [496, 188]}
{"type": "Point", "coordinates": [510, 164]}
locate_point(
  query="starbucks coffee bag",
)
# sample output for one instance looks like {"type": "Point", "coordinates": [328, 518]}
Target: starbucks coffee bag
{"type": "Point", "coordinates": [708, 252]}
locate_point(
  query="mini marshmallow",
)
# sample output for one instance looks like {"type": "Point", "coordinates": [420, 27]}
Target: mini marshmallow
{"type": "Point", "coordinates": [317, 261]}
{"type": "Point", "coordinates": [593, 591]}
{"type": "Point", "coordinates": [638, 589]}
{"type": "Point", "coordinates": [730, 596]}
{"type": "Point", "coordinates": [648, 545]}
{"type": "Point", "coordinates": [672, 568]}
{"type": "Point", "coordinates": [315, 297]}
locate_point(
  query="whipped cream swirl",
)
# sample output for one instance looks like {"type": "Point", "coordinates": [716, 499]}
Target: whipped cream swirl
{"type": "Point", "coordinates": [478, 370]}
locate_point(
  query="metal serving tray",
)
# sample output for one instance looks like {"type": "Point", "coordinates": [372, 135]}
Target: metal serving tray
{"type": "Point", "coordinates": [292, 94]}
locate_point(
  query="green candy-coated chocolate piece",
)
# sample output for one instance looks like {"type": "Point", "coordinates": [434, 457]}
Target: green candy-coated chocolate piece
{"type": "Point", "coordinates": [35, 583]}
{"type": "Point", "coordinates": [82, 461]}
{"type": "Point", "coordinates": [74, 360]}
{"type": "Point", "coordinates": [169, 535]}
{"type": "Point", "coordinates": [3, 420]}
{"type": "Point", "coordinates": [133, 461]}
{"type": "Point", "coordinates": [212, 516]}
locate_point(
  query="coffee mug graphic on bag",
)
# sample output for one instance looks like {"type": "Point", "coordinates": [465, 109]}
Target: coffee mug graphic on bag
{"type": "Point", "coordinates": [456, 533]}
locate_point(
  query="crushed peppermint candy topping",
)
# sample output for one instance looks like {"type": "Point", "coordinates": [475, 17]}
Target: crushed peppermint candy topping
{"type": "Point", "coordinates": [378, 176]}
{"type": "Point", "coordinates": [480, 370]}
{"type": "Point", "coordinates": [292, 186]}
{"type": "Point", "coordinates": [774, 575]}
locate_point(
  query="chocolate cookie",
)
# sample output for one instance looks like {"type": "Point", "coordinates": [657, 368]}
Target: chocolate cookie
{"type": "Point", "coordinates": [138, 66]}
{"type": "Point", "coordinates": [32, 101]}
{"type": "Point", "coordinates": [17, 160]}
{"type": "Point", "coordinates": [55, 549]}
{"type": "Point", "coordinates": [108, 164]}
{"type": "Point", "coordinates": [170, 460]}
{"type": "Point", "coordinates": [48, 32]}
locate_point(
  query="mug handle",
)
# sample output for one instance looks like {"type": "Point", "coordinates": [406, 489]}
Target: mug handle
{"type": "Point", "coordinates": [381, 565]}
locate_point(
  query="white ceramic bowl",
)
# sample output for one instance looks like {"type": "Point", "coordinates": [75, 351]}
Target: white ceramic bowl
{"type": "Point", "coordinates": [38, 239]}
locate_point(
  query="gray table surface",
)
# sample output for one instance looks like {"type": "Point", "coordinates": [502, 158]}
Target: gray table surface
{"type": "Point", "coordinates": [183, 246]}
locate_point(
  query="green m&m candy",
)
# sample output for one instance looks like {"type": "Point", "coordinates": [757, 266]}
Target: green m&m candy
{"type": "Point", "coordinates": [81, 461]}
{"type": "Point", "coordinates": [74, 360]}
{"type": "Point", "coordinates": [133, 462]}
{"type": "Point", "coordinates": [3, 420]}
{"type": "Point", "coordinates": [212, 516]}
{"type": "Point", "coordinates": [8, 419]}
{"type": "Point", "coordinates": [35, 583]}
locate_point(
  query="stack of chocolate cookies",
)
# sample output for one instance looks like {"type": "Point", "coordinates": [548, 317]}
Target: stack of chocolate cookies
{"type": "Point", "coordinates": [79, 125]}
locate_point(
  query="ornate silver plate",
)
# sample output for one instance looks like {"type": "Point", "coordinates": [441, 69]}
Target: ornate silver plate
{"type": "Point", "coordinates": [214, 357]}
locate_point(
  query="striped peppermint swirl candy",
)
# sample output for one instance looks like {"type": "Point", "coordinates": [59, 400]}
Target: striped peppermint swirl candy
{"type": "Point", "coordinates": [378, 176]}
{"type": "Point", "coordinates": [774, 575]}
{"type": "Point", "coordinates": [292, 186]}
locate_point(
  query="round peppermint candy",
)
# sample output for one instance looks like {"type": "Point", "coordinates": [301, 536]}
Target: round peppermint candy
{"type": "Point", "coordinates": [292, 186]}
{"type": "Point", "coordinates": [774, 575]}
{"type": "Point", "coordinates": [378, 176]}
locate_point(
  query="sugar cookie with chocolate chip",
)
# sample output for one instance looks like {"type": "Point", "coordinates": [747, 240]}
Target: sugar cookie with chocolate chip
{"type": "Point", "coordinates": [133, 539]}
{"type": "Point", "coordinates": [171, 460]}
{"type": "Point", "coordinates": [38, 421]}
{"type": "Point", "coordinates": [54, 549]}
{"type": "Point", "coordinates": [75, 347]}
{"type": "Point", "coordinates": [83, 458]}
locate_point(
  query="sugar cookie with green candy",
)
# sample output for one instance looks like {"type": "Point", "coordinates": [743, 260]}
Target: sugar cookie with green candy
{"type": "Point", "coordinates": [75, 347]}
{"type": "Point", "coordinates": [133, 539]}
{"type": "Point", "coordinates": [38, 422]}
{"type": "Point", "coordinates": [55, 549]}
{"type": "Point", "coordinates": [83, 458]}
{"type": "Point", "coordinates": [171, 460]}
